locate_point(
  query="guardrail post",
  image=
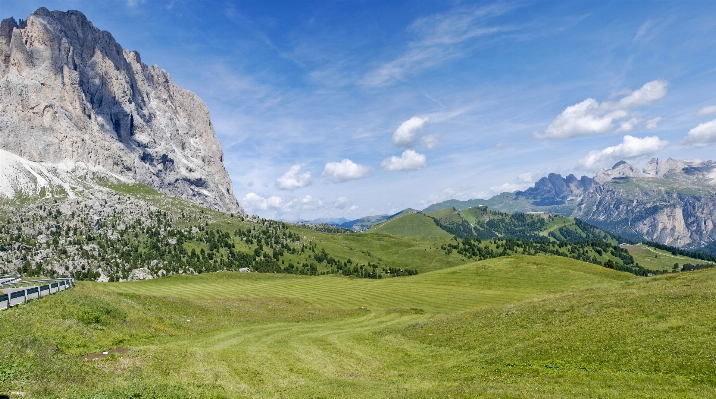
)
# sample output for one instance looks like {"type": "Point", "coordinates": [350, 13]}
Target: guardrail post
{"type": "Point", "coordinates": [25, 290]}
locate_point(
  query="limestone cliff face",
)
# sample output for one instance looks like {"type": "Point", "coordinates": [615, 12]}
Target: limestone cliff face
{"type": "Point", "coordinates": [671, 202]}
{"type": "Point", "coordinates": [69, 91]}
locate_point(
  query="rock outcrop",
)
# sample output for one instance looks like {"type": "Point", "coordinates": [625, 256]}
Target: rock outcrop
{"type": "Point", "coordinates": [619, 170]}
{"type": "Point", "coordinates": [556, 190]}
{"type": "Point", "coordinates": [671, 202]}
{"type": "Point", "coordinates": [70, 92]}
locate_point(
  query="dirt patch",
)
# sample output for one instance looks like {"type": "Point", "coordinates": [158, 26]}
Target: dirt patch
{"type": "Point", "coordinates": [102, 355]}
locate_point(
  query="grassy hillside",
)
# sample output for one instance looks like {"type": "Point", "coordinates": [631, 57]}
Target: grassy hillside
{"type": "Point", "coordinates": [410, 225]}
{"type": "Point", "coordinates": [511, 327]}
{"type": "Point", "coordinates": [263, 335]}
{"type": "Point", "coordinates": [658, 259]}
{"type": "Point", "coordinates": [484, 223]}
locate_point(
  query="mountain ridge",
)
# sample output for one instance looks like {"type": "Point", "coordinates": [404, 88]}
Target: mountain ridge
{"type": "Point", "coordinates": [70, 92]}
{"type": "Point", "coordinates": [671, 202]}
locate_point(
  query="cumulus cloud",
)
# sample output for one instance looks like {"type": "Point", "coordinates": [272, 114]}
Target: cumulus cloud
{"type": "Point", "coordinates": [702, 135]}
{"type": "Point", "coordinates": [404, 135]}
{"type": "Point", "coordinates": [711, 109]}
{"type": "Point", "coordinates": [276, 205]}
{"type": "Point", "coordinates": [590, 117]}
{"type": "Point", "coordinates": [291, 180]}
{"type": "Point", "coordinates": [631, 148]}
{"type": "Point", "coordinates": [253, 201]}
{"type": "Point", "coordinates": [409, 160]}
{"type": "Point", "coordinates": [339, 172]}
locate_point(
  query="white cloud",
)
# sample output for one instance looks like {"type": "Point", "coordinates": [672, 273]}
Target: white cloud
{"type": "Point", "coordinates": [631, 148]}
{"type": "Point", "coordinates": [134, 3]}
{"type": "Point", "coordinates": [653, 123]}
{"type": "Point", "coordinates": [702, 135]}
{"type": "Point", "coordinates": [339, 172]}
{"type": "Point", "coordinates": [404, 135]}
{"type": "Point", "coordinates": [525, 178]}
{"type": "Point", "coordinates": [342, 203]}
{"type": "Point", "coordinates": [410, 160]}
{"type": "Point", "coordinates": [711, 109]}
{"type": "Point", "coordinates": [628, 126]}
{"type": "Point", "coordinates": [253, 201]}
{"type": "Point", "coordinates": [430, 141]}
{"type": "Point", "coordinates": [590, 117]}
{"type": "Point", "coordinates": [291, 180]}
{"type": "Point", "coordinates": [647, 94]}
{"type": "Point", "coordinates": [276, 205]}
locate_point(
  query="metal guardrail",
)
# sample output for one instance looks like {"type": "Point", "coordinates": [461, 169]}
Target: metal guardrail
{"type": "Point", "coordinates": [9, 279]}
{"type": "Point", "coordinates": [23, 291]}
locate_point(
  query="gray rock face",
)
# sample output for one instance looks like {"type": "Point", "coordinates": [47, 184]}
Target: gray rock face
{"type": "Point", "coordinates": [620, 169]}
{"type": "Point", "coordinates": [672, 202]}
{"type": "Point", "coordinates": [556, 190]}
{"type": "Point", "coordinates": [70, 92]}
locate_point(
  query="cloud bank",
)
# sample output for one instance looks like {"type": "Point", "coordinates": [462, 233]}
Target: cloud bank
{"type": "Point", "coordinates": [631, 148]}
{"type": "Point", "coordinates": [702, 135]}
{"type": "Point", "coordinates": [254, 203]}
{"type": "Point", "coordinates": [590, 117]}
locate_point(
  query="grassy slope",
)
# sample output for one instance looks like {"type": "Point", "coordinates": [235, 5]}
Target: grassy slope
{"type": "Point", "coordinates": [410, 225]}
{"type": "Point", "coordinates": [644, 338]}
{"type": "Point", "coordinates": [264, 335]}
{"type": "Point", "coordinates": [657, 259]}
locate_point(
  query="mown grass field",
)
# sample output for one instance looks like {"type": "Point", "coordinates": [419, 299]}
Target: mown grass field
{"type": "Point", "coordinates": [523, 326]}
{"type": "Point", "coordinates": [657, 259]}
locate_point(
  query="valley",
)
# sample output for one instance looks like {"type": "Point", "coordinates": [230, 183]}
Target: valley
{"type": "Point", "coordinates": [119, 216]}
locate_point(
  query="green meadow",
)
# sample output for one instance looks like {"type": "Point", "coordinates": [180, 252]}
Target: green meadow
{"type": "Point", "coordinates": [658, 259]}
{"type": "Point", "coordinates": [521, 326]}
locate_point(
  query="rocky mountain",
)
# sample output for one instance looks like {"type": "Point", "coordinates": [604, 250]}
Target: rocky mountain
{"type": "Point", "coordinates": [70, 94]}
{"type": "Point", "coordinates": [556, 190]}
{"type": "Point", "coordinates": [669, 201]}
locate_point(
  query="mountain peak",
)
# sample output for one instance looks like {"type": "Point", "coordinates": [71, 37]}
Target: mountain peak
{"type": "Point", "coordinates": [73, 93]}
{"type": "Point", "coordinates": [620, 169]}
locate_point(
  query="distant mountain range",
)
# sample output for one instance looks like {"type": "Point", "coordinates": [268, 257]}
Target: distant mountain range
{"type": "Point", "coordinates": [671, 202]}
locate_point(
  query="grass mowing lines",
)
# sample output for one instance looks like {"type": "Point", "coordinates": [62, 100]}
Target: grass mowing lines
{"type": "Point", "coordinates": [476, 284]}
{"type": "Point", "coordinates": [273, 335]}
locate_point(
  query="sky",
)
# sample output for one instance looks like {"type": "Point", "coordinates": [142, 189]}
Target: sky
{"type": "Point", "coordinates": [329, 109]}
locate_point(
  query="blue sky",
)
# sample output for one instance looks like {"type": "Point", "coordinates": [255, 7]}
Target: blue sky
{"type": "Point", "coordinates": [354, 108]}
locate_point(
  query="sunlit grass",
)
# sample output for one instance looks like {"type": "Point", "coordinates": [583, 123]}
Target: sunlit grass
{"type": "Point", "coordinates": [508, 327]}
